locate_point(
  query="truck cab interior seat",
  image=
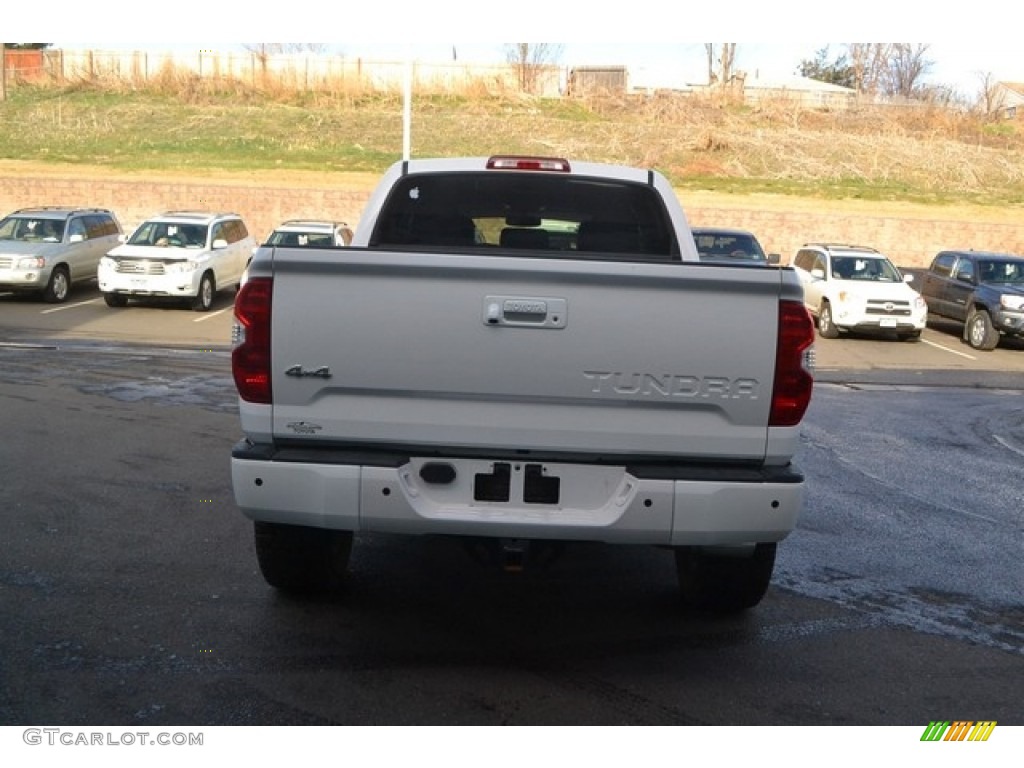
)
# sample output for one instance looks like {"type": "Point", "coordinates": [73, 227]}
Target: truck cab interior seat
{"type": "Point", "coordinates": [608, 237]}
{"type": "Point", "coordinates": [520, 237]}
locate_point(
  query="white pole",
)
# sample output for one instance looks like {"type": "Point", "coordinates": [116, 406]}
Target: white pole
{"type": "Point", "coordinates": [407, 109]}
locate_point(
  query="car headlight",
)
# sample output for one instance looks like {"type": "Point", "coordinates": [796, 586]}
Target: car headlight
{"type": "Point", "coordinates": [32, 262]}
{"type": "Point", "coordinates": [179, 267]}
{"type": "Point", "coordinates": [1012, 302]}
{"type": "Point", "coordinates": [107, 263]}
{"type": "Point", "coordinates": [847, 297]}
{"type": "Point", "coordinates": [920, 303]}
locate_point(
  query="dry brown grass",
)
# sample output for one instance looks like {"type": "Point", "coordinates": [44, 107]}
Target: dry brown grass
{"type": "Point", "coordinates": [921, 154]}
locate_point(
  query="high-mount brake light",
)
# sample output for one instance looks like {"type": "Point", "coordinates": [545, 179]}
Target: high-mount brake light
{"type": "Point", "coordinates": [527, 163]}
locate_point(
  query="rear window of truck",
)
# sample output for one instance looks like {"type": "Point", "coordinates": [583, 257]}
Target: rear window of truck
{"type": "Point", "coordinates": [548, 215]}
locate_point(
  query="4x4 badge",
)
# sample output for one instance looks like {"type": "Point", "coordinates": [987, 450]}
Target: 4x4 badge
{"type": "Point", "coordinates": [323, 372]}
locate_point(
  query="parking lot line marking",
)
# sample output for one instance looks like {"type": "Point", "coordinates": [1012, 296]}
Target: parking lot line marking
{"type": "Point", "coordinates": [211, 315]}
{"type": "Point", "coordinates": [947, 349]}
{"type": "Point", "coordinates": [68, 306]}
{"type": "Point", "coordinates": [1005, 444]}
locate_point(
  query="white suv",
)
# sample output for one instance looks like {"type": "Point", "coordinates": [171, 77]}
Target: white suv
{"type": "Point", "coordinates": [853, 288]}
{"type": "Point", "coordinates": [182, 254]}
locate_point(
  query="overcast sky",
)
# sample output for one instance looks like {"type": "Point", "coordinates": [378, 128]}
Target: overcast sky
{"type": "Point", "coordinates": [637, 33]}
{"type": "Point", "coordinates": [960, 66]}
{"type": "Point", "coordinates": [957, 65]}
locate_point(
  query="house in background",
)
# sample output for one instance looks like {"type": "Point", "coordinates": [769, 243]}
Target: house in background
{"type": "Point", "coordinates": [801, 91]}
{"type": "Point", "coordinates": [1008, 99]}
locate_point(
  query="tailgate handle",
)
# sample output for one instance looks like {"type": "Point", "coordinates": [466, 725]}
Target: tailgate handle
{"type": "Point", "coordinates": [525, 311]}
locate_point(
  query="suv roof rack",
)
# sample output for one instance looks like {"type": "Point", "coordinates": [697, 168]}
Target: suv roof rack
{"type": "Point", "coordinates": [197, 214]}
{"type": "Point", "coordinates": [843, 245]}
{"type": "Point", "coordinates": [68, 208]}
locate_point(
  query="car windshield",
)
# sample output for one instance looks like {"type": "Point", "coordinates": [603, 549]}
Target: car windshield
{"type": "Point", "coordinates": [865, 268]}
{"type": "Point", "coordinates": [170, 234]}
{"type": "Point", "coordinates": [32, 230]}
{"type": "Point", "coordinates": [1002, 271]}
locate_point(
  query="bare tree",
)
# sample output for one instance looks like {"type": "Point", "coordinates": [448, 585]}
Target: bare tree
{"type": "Point", "coordinates": [870, 62]}
{"type": "Point", "coordinates": [893, 69]}
{"type": "Point", "coordinates": [721, 68]}
{"type": "Point", "coordinates": [709, 49]}
{"type": "Point", "coordinates": [529, 60]}
{"type": "Point", "coordinates": [263, 51]}
{"type": "Point", "coordinates": [907, 65]}
{"type": "Point", "coordinates": [991, 97]}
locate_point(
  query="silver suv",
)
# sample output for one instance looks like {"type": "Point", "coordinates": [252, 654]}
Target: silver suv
{"type": "Point", "coordinates": [179, 254]}
{"type": "Point", "coordinates": [46, 250]}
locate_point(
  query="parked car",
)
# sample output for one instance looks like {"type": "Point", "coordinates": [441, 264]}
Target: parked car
{"type": "Point", "coordinates": [180, 254]}
{"type": "Point", "coordinates": [46, 250]}
{"type": "Point", "coordinates": [984, 291]}
{"type": "Point", "coordinates": [854, 288]}
{"type": "Point", "coordinates": [731, 246]}
{"type": "Point", "coordinates": [311, 233]}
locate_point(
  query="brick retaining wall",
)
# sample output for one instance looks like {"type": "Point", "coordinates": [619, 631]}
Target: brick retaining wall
{"type": "Point", "coordinates": [910, 242]}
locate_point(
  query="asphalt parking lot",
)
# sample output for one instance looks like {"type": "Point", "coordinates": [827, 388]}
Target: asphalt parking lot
{"type": "Point", "coordinates": [129, 581]}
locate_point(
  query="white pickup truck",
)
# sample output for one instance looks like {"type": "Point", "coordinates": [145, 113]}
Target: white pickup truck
{"type": "Point", "coordinates": [526, 350]}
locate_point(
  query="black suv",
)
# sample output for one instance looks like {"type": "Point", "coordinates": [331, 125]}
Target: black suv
{"type": "Point", "coordinates": [984, 291]}
{"type": "Point", "coordinates": [45, 250]}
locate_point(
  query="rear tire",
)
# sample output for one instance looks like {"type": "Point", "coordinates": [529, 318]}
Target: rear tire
{"type": "Point", "coordinates": [826, 327]}
{"type": "Point", "coordinates": [302, 560]}
{"type": "Point", "coordinates": [59, 286]}
{"type": "Point", "coordinates": [979, 331]}
{"type": "Point", "coordinates": [722, 583]}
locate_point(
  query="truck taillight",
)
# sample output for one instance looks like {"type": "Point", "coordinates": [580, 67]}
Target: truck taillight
{"type": "Point", "coordinates": [250, 356]}
{"type": "Point", "coordinates": [794, 365]}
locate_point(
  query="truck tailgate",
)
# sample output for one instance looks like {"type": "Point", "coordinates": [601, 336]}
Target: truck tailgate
{"type": "Point", "coordinates": [476, 352]}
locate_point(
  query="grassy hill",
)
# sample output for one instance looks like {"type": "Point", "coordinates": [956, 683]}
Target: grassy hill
{"type": "Point", "coordinates": [925, 155]}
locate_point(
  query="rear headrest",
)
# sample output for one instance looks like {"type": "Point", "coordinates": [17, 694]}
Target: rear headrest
{"type": "Point", "coordinates": [518, 237]}
{"type": "Point", "coordinates": [444, 230]}
{"type": "Point", "coordinates": [608, 237]}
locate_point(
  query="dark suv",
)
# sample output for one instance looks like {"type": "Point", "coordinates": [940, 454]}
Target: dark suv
{"type": "Point", "coordinates": [45, 250]}
{"type": "Point", "coordinates": [731, 246]}
{"type": "Point", "coordinates": [984, 291]}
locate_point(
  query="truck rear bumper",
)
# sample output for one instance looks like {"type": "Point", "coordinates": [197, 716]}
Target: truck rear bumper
{"type": "Point", "coordinates": [521, 499]}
